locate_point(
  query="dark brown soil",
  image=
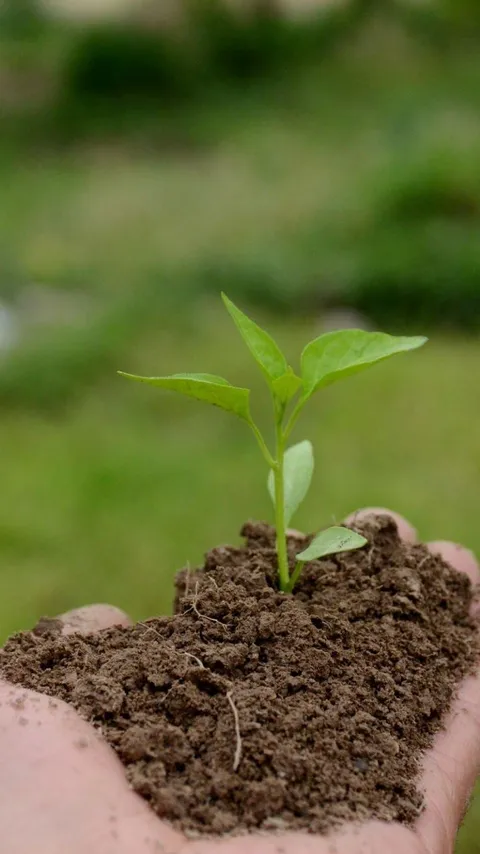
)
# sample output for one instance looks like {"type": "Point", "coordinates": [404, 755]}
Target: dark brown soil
{"type": "Point", "coordinates": [252, 710]}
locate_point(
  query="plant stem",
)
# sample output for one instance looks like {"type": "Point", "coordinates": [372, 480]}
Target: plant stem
{"type": "Point", "coordinates": [293, 418]}
{"type": "Point", "coordinates": [263, 447]}
{"type": "Point", "coordinates": [295, 575]}
{"type": "Point", "coordinates": [278, 472]}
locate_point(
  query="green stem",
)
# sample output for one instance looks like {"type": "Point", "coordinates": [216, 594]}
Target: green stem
{"type": "Point", "coordinates": [278, 471]}
{"type": "Point", "coordinates": [293, 418]}
{"type": "Point", "coordinates": [295, 575]}
{"type": "Point", "coordinates": [261, 443]}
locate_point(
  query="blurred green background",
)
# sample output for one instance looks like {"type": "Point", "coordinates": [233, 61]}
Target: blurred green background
{"type": "Point", "coordinates": [320, 164]}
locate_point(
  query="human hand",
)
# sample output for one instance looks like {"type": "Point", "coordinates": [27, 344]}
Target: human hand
{"type": "Point", "coordinates": [63, 790]}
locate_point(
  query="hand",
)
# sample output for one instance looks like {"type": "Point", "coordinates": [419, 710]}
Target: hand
{"type": "Point", "coordinates": [63, 790]}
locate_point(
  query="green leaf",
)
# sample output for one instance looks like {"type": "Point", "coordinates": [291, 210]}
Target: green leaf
{"type": "Point", "coordinates": [332, 541]}
{"type": "Point", "coordinates": [336, 355]}
{"type": "Point", "coordinates": [298, 472]}
{"type": "Point", "coordinates": [284, 388]}
{"type": "Point", "coordinates": [207, 387]}
{"type": "Point", "coordinates": [262, 347]}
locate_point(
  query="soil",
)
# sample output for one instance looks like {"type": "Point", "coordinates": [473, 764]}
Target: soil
{"type": "Point", "coordinates": [253, 710]}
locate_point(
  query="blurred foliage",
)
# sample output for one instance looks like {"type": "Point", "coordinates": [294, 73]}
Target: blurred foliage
{"type": "Point", "coordinates": [437, 186]}
{"type": "Point", "coordinates": [419, 262]}
{"type": "Point", "coordinates": [124, 62]}
{"type": "Point", "coordinates": [420, 277]}
{"type": "Point", "coordinates": [132, 66]}
{"type": "Point", "coordinates": [410, 260]}
{"type": "Point", "coordinates": [461, 14]}
{"type": "Point", "coordinates": [442, 23]}
{"type": "Point", "coordinates": [20, 18]}
{"type": "Point", "coordinates": [239, 47]}
{"type": "Point", "coordinates": [55, 369]}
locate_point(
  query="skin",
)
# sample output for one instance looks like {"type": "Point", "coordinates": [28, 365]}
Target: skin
{"type": "Point", "coordinates": [63, 790]}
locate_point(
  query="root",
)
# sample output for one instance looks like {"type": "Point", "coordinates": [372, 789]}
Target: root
{"type": "Point", "coordinates": [197, 660]}
{"type": "Point", "coordinates": [178, 651]}
{"type": "Point", "coordinates": [212, 580]}
{"type": "Point", "coordinates": [238, 750]}
{"type": "Point", "coordinates": [193, 607]}
{"type": "Point", "coordinates": [187, 583]}
{"type": "Point", "coordinates": [423, 562]}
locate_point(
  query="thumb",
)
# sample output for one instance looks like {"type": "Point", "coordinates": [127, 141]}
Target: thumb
{"type": "Point", "coordinates": [86, 620]}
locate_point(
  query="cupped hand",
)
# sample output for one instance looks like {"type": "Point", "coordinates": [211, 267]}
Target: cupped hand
{"type": "Point", "coordinates": [62, 789]}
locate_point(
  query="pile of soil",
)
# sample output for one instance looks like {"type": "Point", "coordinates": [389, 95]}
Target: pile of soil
{"type": "Point", "coordinates": [250, 709]}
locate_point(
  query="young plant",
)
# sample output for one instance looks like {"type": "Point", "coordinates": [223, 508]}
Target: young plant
{"type": "Point", "coordinates": [327, 359]}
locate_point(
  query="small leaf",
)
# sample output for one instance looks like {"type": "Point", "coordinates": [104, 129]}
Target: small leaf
{"type": "Point", "coordinates": [262, 347]}
{"type": "Point", "coordinates": [207, 387]}
{"type": "Point", "coordinates": [330, 542]}
{"type": "Point", "coordinates": [336, 355]}
{"type": "Point", "coordinates": [284, 388]}
{"type": "Point", "coordinates": [298, 473]}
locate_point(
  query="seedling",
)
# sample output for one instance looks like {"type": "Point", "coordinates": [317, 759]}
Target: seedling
{"type": "Point", "coordinates": [327, 359]}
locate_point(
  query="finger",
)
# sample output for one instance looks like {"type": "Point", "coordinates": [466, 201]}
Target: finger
{"type": "Point", "coordinates": [450, 770]}
{"type": "Point", "coordinates": [406, 531]}
{"type": "Point", "coordinates": [63, 789]}
{"type": "Point", "coordinates": [457, 556]}
{"type": "Point", "coordinates": [93, 618]}
{"type": "Point", "coordinates": [451, 767]}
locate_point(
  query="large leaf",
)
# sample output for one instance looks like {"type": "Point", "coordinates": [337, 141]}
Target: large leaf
{"type": "Point", "coordinates": [330, 542]}
{"type": "Point", "coordinates": [336, 355]}
{"type": "Point", "coordinates": [261, 345]}
{"type": "Point", "coordinates": [284, 388]}
{"type": "Point", "coordinates": [298, 472]}
{"type": "Point", "coordinates": [207, 387]}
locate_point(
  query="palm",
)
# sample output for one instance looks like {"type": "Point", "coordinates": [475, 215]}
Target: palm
{"type": "Point", "coordinates": [62, 789]}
